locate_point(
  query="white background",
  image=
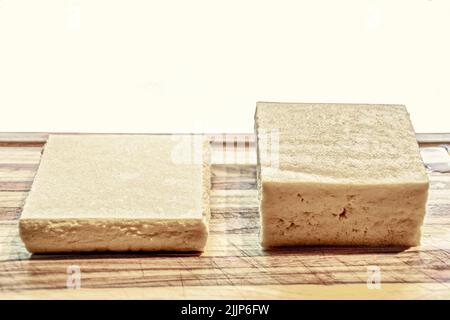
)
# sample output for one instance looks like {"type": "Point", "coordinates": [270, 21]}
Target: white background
{"type": "Point", "coordinates": [183, 66]}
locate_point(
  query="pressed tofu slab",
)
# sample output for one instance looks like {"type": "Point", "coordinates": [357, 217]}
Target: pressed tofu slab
{"type": "Point", "coordinates": [339, 174]}
{"type": "Point", "coordinates": [118, 193]}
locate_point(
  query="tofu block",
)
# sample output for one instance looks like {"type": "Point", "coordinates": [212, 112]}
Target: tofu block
{"type": "Point", "coordinates": [339, 174]}
{"type": "Point", "coordinates": [118, 193]}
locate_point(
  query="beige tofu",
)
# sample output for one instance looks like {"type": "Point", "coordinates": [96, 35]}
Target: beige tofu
{"type": "Point", "coordinates": [119, 193]}
{"type": "Point", "coordinates": [339, 174]}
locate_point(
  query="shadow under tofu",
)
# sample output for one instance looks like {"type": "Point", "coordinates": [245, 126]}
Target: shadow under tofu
{"type": "Point", "coordinates": [112, 255]}
{"type": "Point", "coordinates": [332, 250]}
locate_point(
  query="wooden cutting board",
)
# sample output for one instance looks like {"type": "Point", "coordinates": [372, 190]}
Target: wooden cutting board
{"type": "Point", "coordinates": [233, 265]}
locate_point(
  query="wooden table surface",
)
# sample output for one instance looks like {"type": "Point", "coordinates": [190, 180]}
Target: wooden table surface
{"type": "Point", "coordinates": [233, 265]}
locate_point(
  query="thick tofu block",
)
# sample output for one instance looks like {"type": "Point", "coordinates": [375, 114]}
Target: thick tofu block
{"type": "Point", "coordinates": [339, 174]}
{"type": "Point", "coordinates": [118, 193]}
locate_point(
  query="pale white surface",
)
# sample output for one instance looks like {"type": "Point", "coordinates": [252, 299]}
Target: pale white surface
{"type": "Point", "coordinates": [192, 66]}
{"type": "Point", "coordinates": [337, 144]}
{"type": "Point", "coordinates": [115, 177]}
{"type": "Point", "coordinates": [436, 159]}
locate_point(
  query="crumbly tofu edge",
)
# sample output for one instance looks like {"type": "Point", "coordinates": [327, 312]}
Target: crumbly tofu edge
{"type": "Point", "coordinates": [333, 206]}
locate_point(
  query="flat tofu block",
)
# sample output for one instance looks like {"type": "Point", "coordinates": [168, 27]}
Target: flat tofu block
{"type": "Point", "coordinates": [119, 193]}
{"type": "Point", "coordinates": [339, 174]}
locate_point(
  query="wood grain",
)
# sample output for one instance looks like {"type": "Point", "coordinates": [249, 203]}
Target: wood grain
{"type": "Point", "coordinates": [233, 265]}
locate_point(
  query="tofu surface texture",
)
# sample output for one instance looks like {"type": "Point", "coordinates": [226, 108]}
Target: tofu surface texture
{"type": "Point", "coordinates": [119, 193]}
{"type": "Point", "coordinates": [339, 174]}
